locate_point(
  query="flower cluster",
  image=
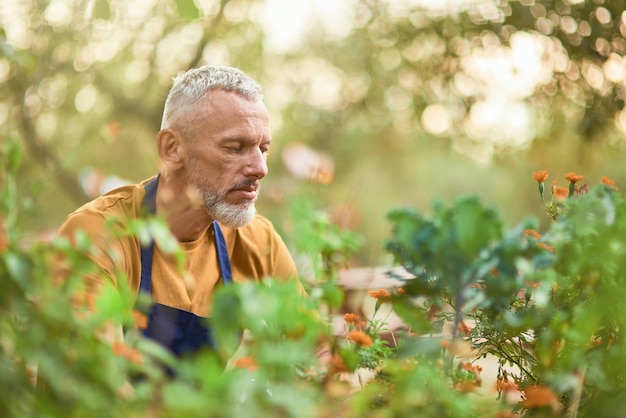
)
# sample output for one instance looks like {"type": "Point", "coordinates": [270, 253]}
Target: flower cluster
{"type": "Point", "coordinates": [556, 205]}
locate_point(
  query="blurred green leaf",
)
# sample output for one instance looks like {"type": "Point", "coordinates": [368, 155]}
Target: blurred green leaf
{"type": "Point", "coordinates": [187, 9]}
{"type": "Point", "coordinates": [102, 10]}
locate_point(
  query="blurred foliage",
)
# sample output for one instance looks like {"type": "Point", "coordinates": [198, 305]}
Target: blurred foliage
{"type": "Point", "coordinates": [55, 364]}
{"type": "Point", "coordinates": [483, 92]}
{"type": "Point", "coordinates": [546, 305]}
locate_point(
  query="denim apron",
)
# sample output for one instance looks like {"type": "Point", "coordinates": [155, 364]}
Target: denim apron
{"type": "Point", "coordinates": [180, 331]}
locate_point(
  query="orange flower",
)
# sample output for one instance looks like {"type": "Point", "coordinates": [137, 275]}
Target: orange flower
{"type": "Point", "coordinates": [505, 385]}
{"type": "Point", "coordinates": [401, 291]}
{"type": "Point", "coordinates": [337, 365]}
{"type": "Point", "coordinates": [608, 182]}
{"type": "Point", "coordinates": [464, 328]}
{"type": "Point", "coordinates": [532, 285]}
{"type": "Point", "coordinates": [532, 233]}
{"type": "Point", "coordinates": [538, 396]}
{"type": "Point", "coordinates": [560, 192]}
{"type": "Point", "coordinates": [546, 246]}
{"type": "Point", "coordinates": [360, 338]}
{"type": "Point", "coordinates": [380, 294]}
{"type": "Point", "coordinates": [4, 238]}
{"type": "Point", "coordinates": [504, 414]}
{"type": "Point", "coordinates": [472, 368]}
{"type": "Point", "coordinates": [573, 177]}
{"type": "Point", "coordinates": [140, 320]}
{"type": "Point", "coordinates": [540, 176]}
{"type": "Point", "coordinates": [466, 387]}
{"type": "Point", "coordinates": [131, 354]}
{"type": "Point", "coordinates": [351, 318]}
{"type": "Point", "coordinates": [247, 362]}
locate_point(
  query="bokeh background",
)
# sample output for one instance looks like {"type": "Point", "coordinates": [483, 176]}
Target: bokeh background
{"type": "Point", "coordinates": [375, 104]}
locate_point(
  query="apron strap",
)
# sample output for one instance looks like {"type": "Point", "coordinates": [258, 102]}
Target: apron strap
{"type": "Point", "coordinates": [149, 206]}
{"type": "Point", "coordinates": [222, 254]}
{"type": "Point", "coordinates": [147, 251]}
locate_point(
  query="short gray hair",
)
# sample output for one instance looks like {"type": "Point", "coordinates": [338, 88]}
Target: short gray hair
{"type": "Point", "coordinates": [191, 86]}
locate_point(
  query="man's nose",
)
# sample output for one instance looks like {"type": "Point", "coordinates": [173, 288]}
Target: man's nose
{"type": "Point", "coordinates": [257, 164]}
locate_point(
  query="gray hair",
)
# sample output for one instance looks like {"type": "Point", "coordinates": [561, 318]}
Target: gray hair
{"type": "Point", "coordinates": [190, 87]}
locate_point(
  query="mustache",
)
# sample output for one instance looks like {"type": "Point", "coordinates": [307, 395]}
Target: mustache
{"type": "Point", "coordinates": [245, 184]}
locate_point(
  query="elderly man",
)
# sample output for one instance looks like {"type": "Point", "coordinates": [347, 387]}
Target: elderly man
{"type": "Point", "coordinates": [213, 144]}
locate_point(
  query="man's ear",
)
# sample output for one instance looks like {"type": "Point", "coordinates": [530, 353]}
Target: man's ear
{"type": "Point", "coordinates": [171, 148]}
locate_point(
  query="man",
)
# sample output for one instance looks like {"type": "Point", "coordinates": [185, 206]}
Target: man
{"type": "Point", "coordinates": [213, 145]}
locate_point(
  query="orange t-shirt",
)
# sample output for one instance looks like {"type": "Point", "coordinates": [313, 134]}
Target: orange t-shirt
{"type": "Point", "coordinates": [256, 252]}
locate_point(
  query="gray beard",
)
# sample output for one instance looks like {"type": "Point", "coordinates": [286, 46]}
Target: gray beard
{"type": "Point", "coordinates": [231, 216]}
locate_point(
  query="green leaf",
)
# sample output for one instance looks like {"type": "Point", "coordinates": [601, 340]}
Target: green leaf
{"type": "Point", "coordinates": [187, 9]}
{"type": "Point", "coordinates": [109, 303]}
{"type": "Point", "coordinates": [102, 10]}
{"type": "Point", "coordinates": [19, 268]}
{"type": "Point", "coordinates": [14, 153]}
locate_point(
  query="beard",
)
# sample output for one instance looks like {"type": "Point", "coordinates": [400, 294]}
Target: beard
{"type": "Point", "coordinates": [214, 200]}
{"type": "Point", "coordinates": [229, 215]}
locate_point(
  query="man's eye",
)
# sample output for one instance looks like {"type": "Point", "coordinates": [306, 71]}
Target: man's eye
{"type": "Point", "coordinates": [234, 150]}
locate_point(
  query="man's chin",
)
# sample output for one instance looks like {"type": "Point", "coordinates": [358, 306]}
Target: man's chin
{"type": "Point", "coordinates": [235, 216]}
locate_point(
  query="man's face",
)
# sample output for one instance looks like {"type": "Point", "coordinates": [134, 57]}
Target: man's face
{"type": "Point", "coordinates": [227, 156]}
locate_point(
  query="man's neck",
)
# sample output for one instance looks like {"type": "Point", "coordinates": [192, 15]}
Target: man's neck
{"type": "Point", "coordinates": [183, 211]}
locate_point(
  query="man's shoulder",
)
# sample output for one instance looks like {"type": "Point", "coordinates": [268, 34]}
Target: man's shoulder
{"type": "Point", "coordinates": [117, 205]}
{"type": "Point", "coordinates": [122, 200]}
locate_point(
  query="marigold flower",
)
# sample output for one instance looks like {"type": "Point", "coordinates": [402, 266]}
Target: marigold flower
{"type": "Point", "coordinates": [4, 237]}
{"type": "Point", "coordinates": [532, 233]}
{"type": "Point", "coordinates": [131, 354]}
{"type": "Point", "coordinates": [140, 320]}
{"type": "Point", "coordinates": [351, 318]}
{"type": "Point", "coordinates": [360, 338]}
{"type": "Point", "coordinates": [466, 386]}
{"type": "Point", "coordinates": [546, 246]}
{"type": "Point", "coordinates": [472, 368]}
{"type": "Point", "coordinates": [608, 182]}
{"type": "Point", "coordinates": [337, 365]}
{"type": "Point", "coordinates": [247, 362]}
{"type": "Point", "coordinates": [464, 328]}
{"type": "Point", "coordinates": [505, 385]}
{"type": "Point", "coordinates": [401, 291]}
{"type": "Point", "coordinates": [532, 285]}
{"type": "Point", "coordinates": [560, 192]}
{"type": "Point", "coordinates": [573, 177]}
{"type": "Point", "coordinates": [538, 396]}
{"type": "Point", "coordinates": [540, 176]}
{"type": "Point", "coordinates": [380, 294]}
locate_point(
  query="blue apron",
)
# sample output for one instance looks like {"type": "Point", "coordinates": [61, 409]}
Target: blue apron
{"type": "Point", "coordinates": [181, 332]}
